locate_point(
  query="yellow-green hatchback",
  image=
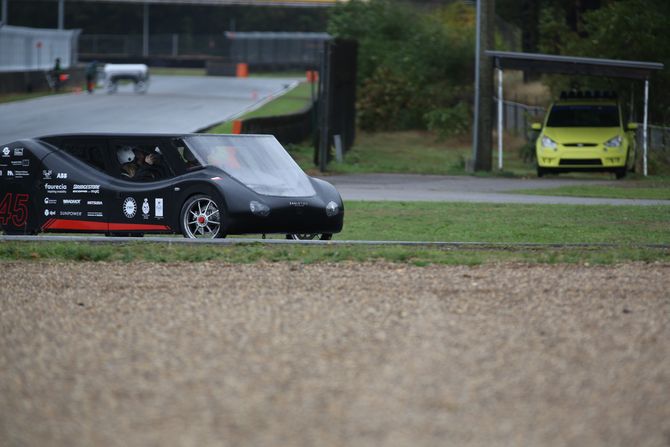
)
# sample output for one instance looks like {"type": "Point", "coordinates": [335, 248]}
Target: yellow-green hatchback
{"type": "Point", "coordinates": [585, 133]}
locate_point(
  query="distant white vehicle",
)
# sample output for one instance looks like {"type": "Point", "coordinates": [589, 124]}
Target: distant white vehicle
{"type": "Point", "coordinates": [137, 73]}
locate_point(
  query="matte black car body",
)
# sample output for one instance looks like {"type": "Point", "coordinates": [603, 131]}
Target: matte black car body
{"type": "Point", "coordinates": [73, 183]}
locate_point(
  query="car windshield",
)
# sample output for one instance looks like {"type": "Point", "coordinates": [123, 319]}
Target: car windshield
{"type": "Point", "coordinates": [257, 161]}
{"type": "Point", "coordinates": [586, 115]}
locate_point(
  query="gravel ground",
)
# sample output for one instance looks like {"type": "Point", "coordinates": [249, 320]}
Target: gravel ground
{"type": "Point", "coordinates": [334, 355]}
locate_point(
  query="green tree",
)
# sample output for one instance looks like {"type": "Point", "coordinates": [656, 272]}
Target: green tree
{"type": "Point", "coordinates": [622, 29]}
{"type": "Point", "coordinates": [411, 61]}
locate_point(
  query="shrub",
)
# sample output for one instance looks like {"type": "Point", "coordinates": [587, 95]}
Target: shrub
{"type": "Point", "coordinates": [448, 122]}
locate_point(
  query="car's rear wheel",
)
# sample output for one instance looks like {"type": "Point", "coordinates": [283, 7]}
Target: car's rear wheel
{"type": "Point", "coordinates": [309, 236]}
{"type": "Point", "coordinates": [201, 218]}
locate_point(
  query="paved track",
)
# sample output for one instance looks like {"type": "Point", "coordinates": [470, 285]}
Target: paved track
{"type": "Point", "coordinates": [179, 104]}
{"type": "Point", "coordinates": [436, 188]}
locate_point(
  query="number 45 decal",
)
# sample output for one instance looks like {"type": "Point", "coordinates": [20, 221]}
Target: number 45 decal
{"type": "Point", "coordinates": [14, 209]}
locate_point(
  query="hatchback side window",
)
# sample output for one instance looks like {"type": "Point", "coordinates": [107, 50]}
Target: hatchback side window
{"type": "Point", "coordinates": [90, 153]}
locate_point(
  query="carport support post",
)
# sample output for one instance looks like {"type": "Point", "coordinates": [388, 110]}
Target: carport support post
{"type": "Point", "coordinates": [645, 123]}
{"type": "Point", "coordinates": [500, 118]}
{"type": "Point", "coordinates": [4, 17]}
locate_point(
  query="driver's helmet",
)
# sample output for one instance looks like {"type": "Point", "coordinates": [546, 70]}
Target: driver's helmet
{"type": "Point", "coordinates": [125, 155]}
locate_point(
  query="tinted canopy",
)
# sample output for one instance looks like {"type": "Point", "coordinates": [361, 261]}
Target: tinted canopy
{"type": "Point", "coordinates": [257, 161]}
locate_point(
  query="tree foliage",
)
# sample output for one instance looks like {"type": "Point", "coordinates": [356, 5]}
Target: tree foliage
{"type": "Point", "coordinates": [621, 29]}
{"type": "Point", "coordinates": [410, 62]}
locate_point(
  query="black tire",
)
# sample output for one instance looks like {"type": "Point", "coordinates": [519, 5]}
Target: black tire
{"type": "Point", "coordinates": [310, 236]}
{"type": "Point", "coordinates": [540, 172]}
{"type": "Point", "coordinates": [202, 218]}
{"type": "Point", "coordinates": [620, 173]}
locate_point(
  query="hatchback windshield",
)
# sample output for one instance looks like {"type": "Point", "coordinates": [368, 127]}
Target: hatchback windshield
{"type": "Point", "coordinates": [257, 161]}
{"type": "Point", "coordinates": [583, 116]}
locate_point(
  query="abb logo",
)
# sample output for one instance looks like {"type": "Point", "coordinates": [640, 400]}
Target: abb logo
{"type": "Point", "coordinates": [14, 209]}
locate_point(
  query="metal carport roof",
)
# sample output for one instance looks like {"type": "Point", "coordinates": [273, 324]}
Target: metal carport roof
{"type": "Point", "coordinates": [588, 66]}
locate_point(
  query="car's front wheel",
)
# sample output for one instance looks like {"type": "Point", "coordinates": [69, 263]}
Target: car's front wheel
{"type": "Point", "coordinates": [310, 236]}
{"type": "Point", "coordinates": [201, 218]}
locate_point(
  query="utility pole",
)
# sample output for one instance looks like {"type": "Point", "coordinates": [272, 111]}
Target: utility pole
{"type": "Point", "coordinates": [4, 17]}
{"type": "Point", "coordinates": [482, 139]}
{"type": "Point", "coordinates": [61, 14]}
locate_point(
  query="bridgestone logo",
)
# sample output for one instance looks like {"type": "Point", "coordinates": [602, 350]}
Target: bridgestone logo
{"type": "Point", "coordinates": [75, 187]}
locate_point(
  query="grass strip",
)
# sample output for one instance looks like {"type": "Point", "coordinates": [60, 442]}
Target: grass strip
{"type": "Point", "coordinates": [292, 101]}
{"type": "Point", "coordinates": [632, 228]}
{"type": "Point", "coordinates": [305, 254]}
{"type": "Point", "coordinates": [505, 223]}
{"type": "Point", "coordinates": [657, 188]}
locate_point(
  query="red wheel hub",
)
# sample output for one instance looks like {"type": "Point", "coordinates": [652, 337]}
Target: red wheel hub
{"type": "Point", "coordinates": [201, 220]}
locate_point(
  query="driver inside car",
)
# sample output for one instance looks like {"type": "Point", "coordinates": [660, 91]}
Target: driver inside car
{"type": "Point", "coordinates": [138, 165]}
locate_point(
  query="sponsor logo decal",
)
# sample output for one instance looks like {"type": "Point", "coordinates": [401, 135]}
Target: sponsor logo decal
{"type": "Point", "coordinates": [298, 203]}
{"type": "Point", "coordinates": [94, 202]}
{"type": "Point", "coordinates": [18, 152]}
{"type": "Point", "coordinates": [55, 189]}
{"type": "Point", "coordinates": [129, 207]}
{"type": "Point", "coordinates": [25, 163]}
{"type": "Point", "coordinates": [158, 207]}
{"type": "Point", "coordinates": [145, 208]}
{"type": "Point", "coordinates": [10, 173]}
{"type": "Point", "coordinates": [48, 201]}
{"type": "Point", "coordinates": [46, 174]}
{"type": "Point", "coordinates": [21, 173]}
{"type": "Point", "coordinates": [71, 201]}
{"type": "Point", "coordinates": [92, 189]}
{"type": "Point", "coordinates": [94, 214]}
{"type": "Point", "coordinates": [5, 151]}
{"type": "Point", "coordinates": [70, 213]}
{"type": "Point", "coordinates": [62, 175]}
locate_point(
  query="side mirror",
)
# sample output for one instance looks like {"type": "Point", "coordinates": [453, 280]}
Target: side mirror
{"type": "Point", "coordinates": [632, 126]}
{"type": "Point", "coordinates": [536, 126]}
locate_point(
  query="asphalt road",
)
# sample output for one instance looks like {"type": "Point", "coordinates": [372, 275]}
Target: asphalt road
{"type": "Point", "coordinates": [438, 188]}
{"type": "Point", "coordinates": [179, 104]}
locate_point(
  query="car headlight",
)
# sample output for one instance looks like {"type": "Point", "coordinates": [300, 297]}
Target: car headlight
{"type": "Point", "coordinates": [332, 209]}
{"type": "Point", "coordinates": [259, 209]}
{"type": "Point", "coordinates": [549, 143]}
{"type": "Point", "coordinates": [614, 142]}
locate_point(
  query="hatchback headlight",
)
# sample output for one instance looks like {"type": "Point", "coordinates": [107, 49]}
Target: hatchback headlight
{"type": "Point", "coordinates": [614, 142]}
{"type": "Point", "coordinates": [549, 143]}
{"type": "Point", "coordinates": [332, 209]}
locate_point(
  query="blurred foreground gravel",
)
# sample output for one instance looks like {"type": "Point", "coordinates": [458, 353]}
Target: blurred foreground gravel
{"type": "Point", "coordinates": [334, 355]}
